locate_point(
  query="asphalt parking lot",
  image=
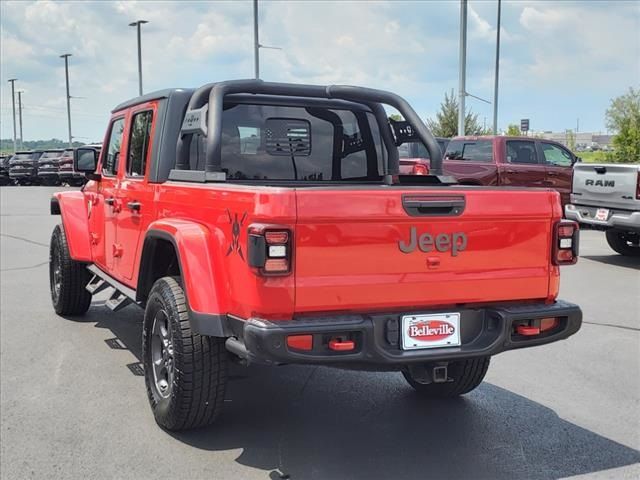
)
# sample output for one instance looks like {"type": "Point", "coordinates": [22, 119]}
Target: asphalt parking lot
{"type": "Point", "coordinates": [73, 403]}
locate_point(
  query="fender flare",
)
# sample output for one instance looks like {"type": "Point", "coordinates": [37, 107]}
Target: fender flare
{"type": "Point", "coordinates": [75, 221]}
{"type": "Point", "coordinates": [195, 248]}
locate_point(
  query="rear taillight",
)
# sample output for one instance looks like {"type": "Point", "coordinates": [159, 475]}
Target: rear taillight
{"type": "Point", "coordinates": [269, 249]}
{"type": "Point", "coordinates": [638, 186]}
{"type": "Point", "coordinates": [565, 243]}
{"type": "Point", "coordinates": [419, 169]}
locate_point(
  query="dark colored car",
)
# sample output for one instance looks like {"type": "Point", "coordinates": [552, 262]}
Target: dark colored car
{"type": "Point", "coordinates": [512, 162]}
{"type": "Point", "coordinates": [23, 167]}
{"type": "Point", "coordinates": [66, 173]}
{"type": "Point", "coordinates": [414, 157]}
{"type": "Point", "coordinates": [48, 167]}
{"type": "Point", "coordinates": [4, 170]}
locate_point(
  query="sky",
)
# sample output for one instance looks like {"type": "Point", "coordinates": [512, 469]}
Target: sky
{"type": "Point", "coordinates": [560, 60]}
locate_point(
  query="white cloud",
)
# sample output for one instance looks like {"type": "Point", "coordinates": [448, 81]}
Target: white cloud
{"type": "Point", "coordinates": [549, 48]}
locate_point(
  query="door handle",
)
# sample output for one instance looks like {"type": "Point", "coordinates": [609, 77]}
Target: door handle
{"type": "Point", "coordinates": [110, 201]}
{"type": "Point", "coordinates": [552, 174]}
{"type": "Point", "coordinates": [508, 170]}
{"type": "Point", "coordinates": [134, 206]}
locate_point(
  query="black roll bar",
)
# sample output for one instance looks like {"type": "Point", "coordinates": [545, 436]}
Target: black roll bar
{"type": "Point", "coordinates": [367, 96]}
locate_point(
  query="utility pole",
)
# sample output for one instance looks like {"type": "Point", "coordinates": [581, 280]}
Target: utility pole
{"type": "Point", "coordinates": [20, 92]}
{"type": "Point", "coordinates": [12, 81]}
{"type": "Point", "coordinates": [256, 42]}
{"type": "Point", "coordinates": [462, 92]}
{"type": "Point", "coordinates": [577, 125]}
{"type": "Point", "coordinates": [497, 74]}
{"type": "Point", "coordinates": [137, 24]}
{"type": "Point", "coordinates": [66, 75]}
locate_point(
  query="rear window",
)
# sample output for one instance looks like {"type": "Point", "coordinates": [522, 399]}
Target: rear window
{"type": "Point", "coordinates": [470, 150]}
{"type": "Point", "coordinates": [418, 150]}
{"type": "Point", "coordinates": [271, 142]}
{"type": "Point", "coordinates": [51, 155]}
{"type": "Point", "coordinates": [22, 156]}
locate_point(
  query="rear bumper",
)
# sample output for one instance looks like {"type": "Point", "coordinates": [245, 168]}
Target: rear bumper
{"type": "Point", "coordinates": [621, 219]}
{"type": "Point", "coordinates": [484, 332]}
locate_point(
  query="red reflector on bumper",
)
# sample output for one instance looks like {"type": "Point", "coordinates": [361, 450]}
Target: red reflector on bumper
{"type": "Point", "coordinates": [548, 324]}
{"type": "Point", "coordinates": [300, 342]}
{"type": "Point", "coordinates": [526, 330]}
{"type": "Point", "coordinates": [341, 345]}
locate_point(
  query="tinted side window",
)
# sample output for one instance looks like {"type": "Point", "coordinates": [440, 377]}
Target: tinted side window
{"type": "Point", "coordinates": [139, 143]}
{"type": "Point", "coordinates": [521, 152]}
{"type": "Point", "coordinates": [470, 150]}
{"type": "Point", "coordinates": [555, 155]}
{"type": "Point", "coordinates": [112, 150]}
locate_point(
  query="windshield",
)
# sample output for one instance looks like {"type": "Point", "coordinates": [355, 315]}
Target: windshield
{"type": "Point", "coordinates": [21, 156]}
{"type": "Point", "coordinates": [270, 142]}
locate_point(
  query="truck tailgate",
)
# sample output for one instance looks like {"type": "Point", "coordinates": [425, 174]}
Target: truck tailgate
{"type": "Point", "coordinates": [610, 185]}
{"type": "Point", "coordinates": [349, 247]}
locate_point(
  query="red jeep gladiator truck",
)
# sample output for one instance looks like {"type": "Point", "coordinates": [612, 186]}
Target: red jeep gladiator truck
{"type": "Point", "coordinates": [266, 222]}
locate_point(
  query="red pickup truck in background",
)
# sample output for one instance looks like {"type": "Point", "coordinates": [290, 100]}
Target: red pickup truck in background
{"type": "Point", "coordinates": [510, 161]}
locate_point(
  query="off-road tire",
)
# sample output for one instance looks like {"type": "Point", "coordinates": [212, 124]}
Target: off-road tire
{"type": "Point", "coordinates": [466, 375]}
{"type": "Point", "coordinates": [67, 277]}
{"type": "Point", "coordinates": [194, 393]}
{"type": "Point", "coordinates": [624, 243]}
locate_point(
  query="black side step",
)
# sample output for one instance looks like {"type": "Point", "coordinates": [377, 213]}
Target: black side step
{"type": "Point", "coordinates": [121, 296]}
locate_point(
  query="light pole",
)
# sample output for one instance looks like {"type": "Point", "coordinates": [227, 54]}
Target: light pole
{"type": "Point", "coordinates": [137, 24]}
{"type": "Point", "coordinates": [495, 88]}
{"type": "Point", "coordinates": [66, 75]}
{"type": "Point", "coordinates": [12, 81]}
{"type": "Point", "coordinates": [256, 42]}
{"type": "Point", "coordinates": [20, 92]}
{"type": "Point", "coordinates": [462, 90]}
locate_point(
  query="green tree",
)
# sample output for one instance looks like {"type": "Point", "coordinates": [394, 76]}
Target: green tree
{"type": "Point", "coordinates": [571, 140]}
{"type": "Point", "coordinates": [446, 121]}
{"type": "Point", "coordinates": [396, 116]}
{"type": "Point", "coordinates": [513, 130]}
{"type": "Point", "coordinates": [623, 116]}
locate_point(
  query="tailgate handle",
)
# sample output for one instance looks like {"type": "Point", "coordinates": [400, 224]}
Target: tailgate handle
{"type": "Point", "coordinates": [600, 170]}
{"type": "Point", "coordinates": [434, 206]}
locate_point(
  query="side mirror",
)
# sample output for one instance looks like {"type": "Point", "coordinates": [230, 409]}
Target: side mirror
{"type": "Point", "coordinates": [576, 160]}
{"type": "Point", "coordinates": [85, 160]}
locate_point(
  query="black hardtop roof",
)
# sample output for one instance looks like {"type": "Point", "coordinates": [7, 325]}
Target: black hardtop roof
{"type": "Point", "coordinates": [147, 97]}
{"type": "Point", "coordinates": [244, 98]}
{"type": "Point", "coordinates": [187, 112]}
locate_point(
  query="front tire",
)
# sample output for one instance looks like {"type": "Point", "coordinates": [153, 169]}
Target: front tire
{"type": "Point", "coordinates": [185, 373]}
{"type": "Point", "coordinates": [624, 243]}
{"type": "Point", "coordinates": [466, 375]}
{"type": "Point", "coordinates": [67, 278]}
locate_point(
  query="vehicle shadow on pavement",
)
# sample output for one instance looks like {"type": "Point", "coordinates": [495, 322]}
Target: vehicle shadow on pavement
{"type": "Point", "coordinates": [616, 260]}
{"type": "Point", "coordinates": [299, 422]}
{"type": "Point", "coordinates": [306, 422]}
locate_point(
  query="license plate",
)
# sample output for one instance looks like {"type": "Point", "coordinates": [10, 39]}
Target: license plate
{"type": "Point", "coordinates": [430, 331]}
{"type": "Point", "coordinates": [602, 214]}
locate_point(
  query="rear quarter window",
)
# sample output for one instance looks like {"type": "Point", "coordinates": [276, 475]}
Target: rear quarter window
{"type": "Point", "coordinates": [470, 150]}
